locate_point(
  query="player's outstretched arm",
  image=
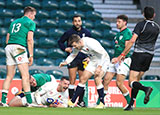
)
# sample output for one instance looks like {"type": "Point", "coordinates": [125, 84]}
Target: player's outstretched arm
{"type": "Point", "coordinates": [62, 64]}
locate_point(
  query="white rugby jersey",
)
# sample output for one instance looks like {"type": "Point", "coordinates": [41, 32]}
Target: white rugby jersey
{"type": "Point", "coordinates": [93, 49]}
{"type": "Point", "coordinates": [49, 91]}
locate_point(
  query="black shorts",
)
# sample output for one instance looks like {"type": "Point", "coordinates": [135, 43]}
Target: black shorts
{"type": "Point", "coordinates": [141, 61]}
{"type": "Point", "coordinates": [76, 63]}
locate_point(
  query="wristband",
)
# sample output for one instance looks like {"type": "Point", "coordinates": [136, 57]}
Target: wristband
{"type": "Point", "coordinates": [122, 54]}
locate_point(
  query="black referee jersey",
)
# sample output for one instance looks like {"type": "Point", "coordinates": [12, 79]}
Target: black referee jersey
{"type": "Point", "coordinates": [147, 32]}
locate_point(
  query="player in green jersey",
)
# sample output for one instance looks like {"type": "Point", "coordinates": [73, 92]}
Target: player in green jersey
{"type": "Point", "coordinates": [19, 36]}
{"type": "Point", "coordinates": [120, 70]}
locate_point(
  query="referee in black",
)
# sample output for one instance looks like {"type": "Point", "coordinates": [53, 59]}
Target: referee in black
{"type": "Point", "coordinates": [144, 36]}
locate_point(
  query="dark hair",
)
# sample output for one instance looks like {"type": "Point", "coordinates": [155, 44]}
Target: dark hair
{"type": "Point", "coordinates": [75, 16]}
{"type": "Point", "coordinates": [66, 78]}
{"type": "Point", "coordinates": [29, 9]}
{"type": "Point", "coordinates": [148, 12]}
{"type": "Point", "coordinates": [73, 38]}
{"type": "Point", "coordinates": [123, 17]}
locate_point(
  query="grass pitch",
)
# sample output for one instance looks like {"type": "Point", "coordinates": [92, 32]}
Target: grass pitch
{"type": "Point", "coordinates": [76, 111]}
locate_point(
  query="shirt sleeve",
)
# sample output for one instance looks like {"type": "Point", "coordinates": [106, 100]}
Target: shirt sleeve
{"type": "Point", "coordinates": [32, 26]}
{"type": "Point", "coordinates": [128, 36]}
{"type": "Point", "coordinates": [62, 40]}
{"type": "Point", "coordinates": [72, 56]}
{"type": "Point", "coordinates": [138, 28]}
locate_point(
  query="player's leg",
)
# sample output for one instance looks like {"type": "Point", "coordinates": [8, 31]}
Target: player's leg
{"type": "Point", "coordinates": [72, 78]}
{"type": "Point", "coordinates": [120, 84]}
{"type": "Point", "coordinates": [7, 82]}
{"type": "Point", "coordinates": [81, 103]}
{"type": "Point", "coordinates": [24, 70]}
{"type": "Point", "coordinates": [16, 102]}
{"type": "Point", "coordinates": [107, 79]}
{"type": "Point", "coordinates": [80, 87]}
{"type": "Point", "coordinates": [100, 88]}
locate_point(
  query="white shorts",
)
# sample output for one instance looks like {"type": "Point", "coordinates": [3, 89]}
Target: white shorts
{"type": "Point", "coordinates": [16, 54]}
{"type": "Point", "coordinates": [122, 68]}
{"type": "Point", "coordinates": [93, 64]}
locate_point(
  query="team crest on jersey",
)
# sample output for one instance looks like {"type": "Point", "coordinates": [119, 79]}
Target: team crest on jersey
{"type": "Point", "coordinates": [120, 37]}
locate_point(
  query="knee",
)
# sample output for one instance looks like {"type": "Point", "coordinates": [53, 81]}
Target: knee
{"type": "Point", "coordinates": [82, 80]}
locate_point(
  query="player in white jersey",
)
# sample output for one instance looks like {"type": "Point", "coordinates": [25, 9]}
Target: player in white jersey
{"type": "Point", "coordinates": [51, 94]}
{"type": "Point", "coordinates": [97, 66]}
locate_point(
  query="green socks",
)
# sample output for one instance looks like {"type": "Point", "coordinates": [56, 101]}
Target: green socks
{"type": "Point", "coordinates": [28, 97]}
{"type": "Point", "coordinates": [127, 97]}
{"type": "Point", "coordinates": [4, 96]}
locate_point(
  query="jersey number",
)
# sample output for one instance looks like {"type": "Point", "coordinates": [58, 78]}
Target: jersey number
{"type": "Point", "coordinates": [16, 27]}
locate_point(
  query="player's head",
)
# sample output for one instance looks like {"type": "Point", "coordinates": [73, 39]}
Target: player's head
{"type": "Point", "coordinates": [77, 22]}
{"type": "Point", "coordinates": [63, 84]}
{"type": "Point", "coordinates": [121, 21]}
{"type": "Point", "coordinates": [148, 12]}
{"type": "Point", "coordinates": [32, 81]}
{"type": "Point", "coordinates": [75, 41]}
{"type": "Point", "coordinates": [30, 12]}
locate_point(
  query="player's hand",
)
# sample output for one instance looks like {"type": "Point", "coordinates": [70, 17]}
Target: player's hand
{"type": "Point", "coordinates": [68, 49]}
{"type": "Point", "coordinates": [30, 60]}
{"type": "Point", "coordinates": [86, 60]}
{"type": "Point", "coordinates": [62, 64]}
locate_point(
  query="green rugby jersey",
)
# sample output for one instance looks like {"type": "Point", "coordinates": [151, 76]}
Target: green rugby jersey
{"type": "Point", "coordinates": [41, 79]}
{"type": "Point", "coordinates": [19, 29]}
{"type": "Point", "coordinates": [120, 39]}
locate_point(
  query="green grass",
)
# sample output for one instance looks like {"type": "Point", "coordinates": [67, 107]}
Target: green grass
{"type": "Point", "coordinates": [76, 111]}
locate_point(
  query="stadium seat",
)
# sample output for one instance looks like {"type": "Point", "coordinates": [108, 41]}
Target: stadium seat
{"type": "Point", "coordinates": [3, 40]}
{"type": "Point", "coordinates": [56, 53]}
{"type": "Point", "coordinates": [47, 43]}
{"type": "Point", "coordinates": [88, 24]}
{"type": "Point", "coordinates": [35, 71]}
{"type": "Point", "coordinates": [100, 24]}
{"type": "Point", "coordinates": [45, 62]}
{"type": "Point", "coordinates": [151, 77]}
{"type": "Point", "coordinates": [41, 32]}
{"type": "Point", "coordinates": [33, 3]}
{"type": "Point", "coordinates": [37, 23]}
{"type": "Point", "coordinates": [58, 14]}
{"type": "Point", "coordinates": [74, 12]}
{"type": "Point", "coordinates": [3, 73]}
{"type": "Point", "coordinates": [93, 15]}
{"type": "Point", "coordinates": [55, 33]}
{"type": "Point", "coordinates": [109, 34]}
{"type": "Point", "coordinates": [1, 22]}
{"type": "Point", "coordinates": [14, 4]}
{"type": "Point", "coordinates": [106, 43]}
{"type": "Point", "coordinates": [42, 14]}
{"type": "Point", "coordinates": [56, 73]}
{"type": "Point", "coordinates": [7, 22]}
{"type": "Point", "coordinates": [38, 52]}
{"type": "Point", "coordinates": [65, 24]}
{"type": "Point", "coordinates": [2, 52]}
{"type": "Point", "coordinates": [85, 6]}
{"type": "Point", "coordinates": [18, 13]}
{"type": "Point", "coordinates": [3, 31]}
{"type": "Point", "coordinates": [48, 23]}
{"type": "Point", "coordinates": [96, 33]}
{"type": "Point", "coordinates": [49, 5]}
{"type": "Point", "coordinates": [6, 13]}
{"type": "Point", "coordinates": [58, 61]}
{"type": "Point", "coordinates": [3, 61]}
{"type": "Point", "coordinates": [2, 4]}
{"type": "Point", "coordinates": [67, 5]}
